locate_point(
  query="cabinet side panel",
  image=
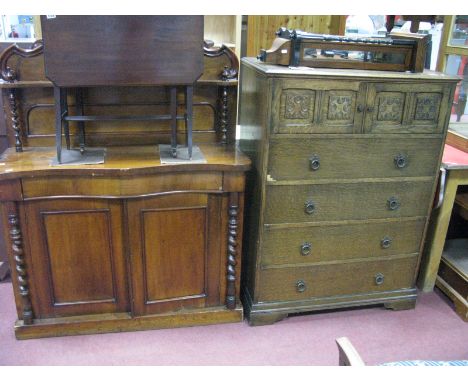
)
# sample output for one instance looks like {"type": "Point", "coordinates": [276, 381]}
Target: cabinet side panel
{"type": "Point", "coordinates": [253, 119]}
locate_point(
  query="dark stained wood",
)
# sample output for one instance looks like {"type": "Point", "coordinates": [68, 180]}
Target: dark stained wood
{"type": "Point", "coordinates": [122, 50]}
{"type": "Point", "coordinates": [118, 322]}
{"type": "Point", "coordinates": [78, 257]}
{"type": "Point", "coordinates": [128, 245]}
{"type": "Point", "coordinates": [172, 264]}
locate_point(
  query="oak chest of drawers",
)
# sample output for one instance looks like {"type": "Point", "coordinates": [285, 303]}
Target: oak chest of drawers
{"type": "Point", "coordinates": [344, 173]}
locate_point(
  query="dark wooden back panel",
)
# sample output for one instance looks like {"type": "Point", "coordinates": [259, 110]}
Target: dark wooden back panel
{"type": "Point", "coordinates": [122, 50]}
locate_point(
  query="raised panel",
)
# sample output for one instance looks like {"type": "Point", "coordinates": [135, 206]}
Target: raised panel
{"type": "Point", "coordinates": [174, 253]}
{"type": "Point", "coordinates": [339, 107]}
{"type": "Point", "coordinates": [78, 257]}
{"type": "Point", "coordinates": [427, 107]}
{"type": "Point", "coordinates": [390, 107]}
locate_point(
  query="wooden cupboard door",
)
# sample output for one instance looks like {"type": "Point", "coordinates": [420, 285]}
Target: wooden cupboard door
{"type": "Point", "coordinates": [176, 257]}
{"type": "Point", "coordinates": [406, 108]}
{"type": "Point", "coordinates": [76, 249]}
{"type": "Point", "coordinates": [317, 106]}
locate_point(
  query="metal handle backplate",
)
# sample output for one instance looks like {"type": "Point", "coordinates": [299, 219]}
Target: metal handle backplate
{"type": "Point", "coordinates": [306, 249]}
{"type": "Point", "coordinates": [401, 161]}
{"type": "Point", "coordinates": [300, 286]}
{"type": "Point", "coordinates": [314, 162]}
{"type": "Point", "coordinates": [393, 203]}
{"type": "Point", "coordinates": [379, 279]}
{"type": "Point", "coordinates": [385, 242]}
{"type": "Point", "coordinates": [309, 207]}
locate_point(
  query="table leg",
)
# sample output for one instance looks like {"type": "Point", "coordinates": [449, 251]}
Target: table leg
{"type": "Point", "coordinates": [435, 238]}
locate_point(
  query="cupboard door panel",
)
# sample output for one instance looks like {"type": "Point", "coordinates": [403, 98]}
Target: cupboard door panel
{"type": "Point", "coordinates": [317, 106]}
{"type": "Point", "coordinates": [76, 248]}
{"type": "Point", "coordinates": [174, 266]}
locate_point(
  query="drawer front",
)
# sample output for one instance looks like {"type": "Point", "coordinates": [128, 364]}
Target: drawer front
{"type": "Point", "coordinates": [308, 245]}
{"type": "Point", "coordinates": [316, 106]}
{"type": "Point", "coordinates": [336, 279]}
{"type": "Point", "coordinates": [407, 108]}
{"type": "Point", "coordinates": [339, 158]}
{"type": "Point", "coordinates": [343, 201]}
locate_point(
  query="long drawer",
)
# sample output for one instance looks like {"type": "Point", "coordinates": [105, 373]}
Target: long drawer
{"type": "Point", "coordinates": [346, 201]}
{"type": "Point", "coordinates": [340, 158]}
{"type": "Point", "coordinates": [308, 245]}
{"type": "Point", "coordinates": [302, 283]}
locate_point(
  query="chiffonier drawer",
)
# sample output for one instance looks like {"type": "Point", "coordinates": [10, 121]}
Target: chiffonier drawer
{"type": "Point", "coordinates": [347, 158]}
{"type": "Point", "coordinates": [299, 283]}
{"type": "Point", "coordinates": [346, 201]}
{"type": "Point", "coordinates": [308, 245]}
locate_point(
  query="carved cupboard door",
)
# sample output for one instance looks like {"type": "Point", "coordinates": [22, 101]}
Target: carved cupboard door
{"type": "Point", "coordinates": [406, 108]}
{"type": "Point", "coordinates": [76, 250]}
{"type": "Point", "coordinates": [177, 259]}
{"type": "Point", "coordinates": [317, 106]}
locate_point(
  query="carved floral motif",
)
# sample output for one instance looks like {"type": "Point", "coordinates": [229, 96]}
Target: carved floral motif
{"type": "Point", "coordinates": [297, 106]}
{"type": "Point", "coordinates": [339, 107]}
{"type": "Point", "coordinates": [427, 107]}
{"type": "Point", "coordinates": [390, 108]}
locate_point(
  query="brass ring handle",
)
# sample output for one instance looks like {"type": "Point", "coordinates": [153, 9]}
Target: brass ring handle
{"type": "Point", "coordinates": [300, 286]}
{"type": "Point", "coordinates": [393, 204]}
{"type": "Point", "coordinates": [379, 279]}
{"type": "Point", "coordinates": [401, 161]}
{"type": "Point", "coordinates": [306, 249]}
{"type": "Point", "coordinates": [385, 242]}
{"type": "Point", "coordinates": [309, 207]}
{"type": "Point", "coordinates": [314, 162]}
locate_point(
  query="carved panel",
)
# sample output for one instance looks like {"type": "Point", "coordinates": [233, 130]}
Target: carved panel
{"type": "Point", "coordinates": [298, 104]}
{"type": "Point", "coordinates": [427, 106]}
{"type": "Point", "coordinates": [340, 107]}
{"type": "Point", "coordinates": [390, 106]}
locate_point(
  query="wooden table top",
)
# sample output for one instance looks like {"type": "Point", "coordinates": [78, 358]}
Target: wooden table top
{"type": "Point", "coordinates": [454, 159]}
{"type": "Point", "coordinates": [119, 161]}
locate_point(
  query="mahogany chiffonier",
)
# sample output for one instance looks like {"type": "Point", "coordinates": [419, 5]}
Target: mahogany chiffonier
{"type": "Point", "coordinates": [135, 242]}
{"type": "Point", "coordinates": [131, 244]}
{"type": "Point", "coordinates": [345, 170]}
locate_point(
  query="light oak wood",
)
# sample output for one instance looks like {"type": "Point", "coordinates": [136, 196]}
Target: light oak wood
{"type": "Point", "coordinates": [326, 174]}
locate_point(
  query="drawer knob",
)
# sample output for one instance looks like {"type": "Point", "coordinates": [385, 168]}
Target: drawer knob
{"type": "Point", "coordinates": [370, 109]}
{"type": "Point", "coordinates": [360, 108]}
{"type": "Point", "coordinates": [379, 279]}
{"type": "Point", "coordinates": [393, 203]}
{"type": "Point", "coordinates": [309, 207]}
{"type": "Point", "coordinates": [314, 161]}
{"type": "Point", "coordinates": [306, 249]}
{"type": "Point", "coordinates": [301, 286]}
{"type": "Point", "coordinates": [401, 161]}
{"type": "Point", "coordinates": [385, 242]}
